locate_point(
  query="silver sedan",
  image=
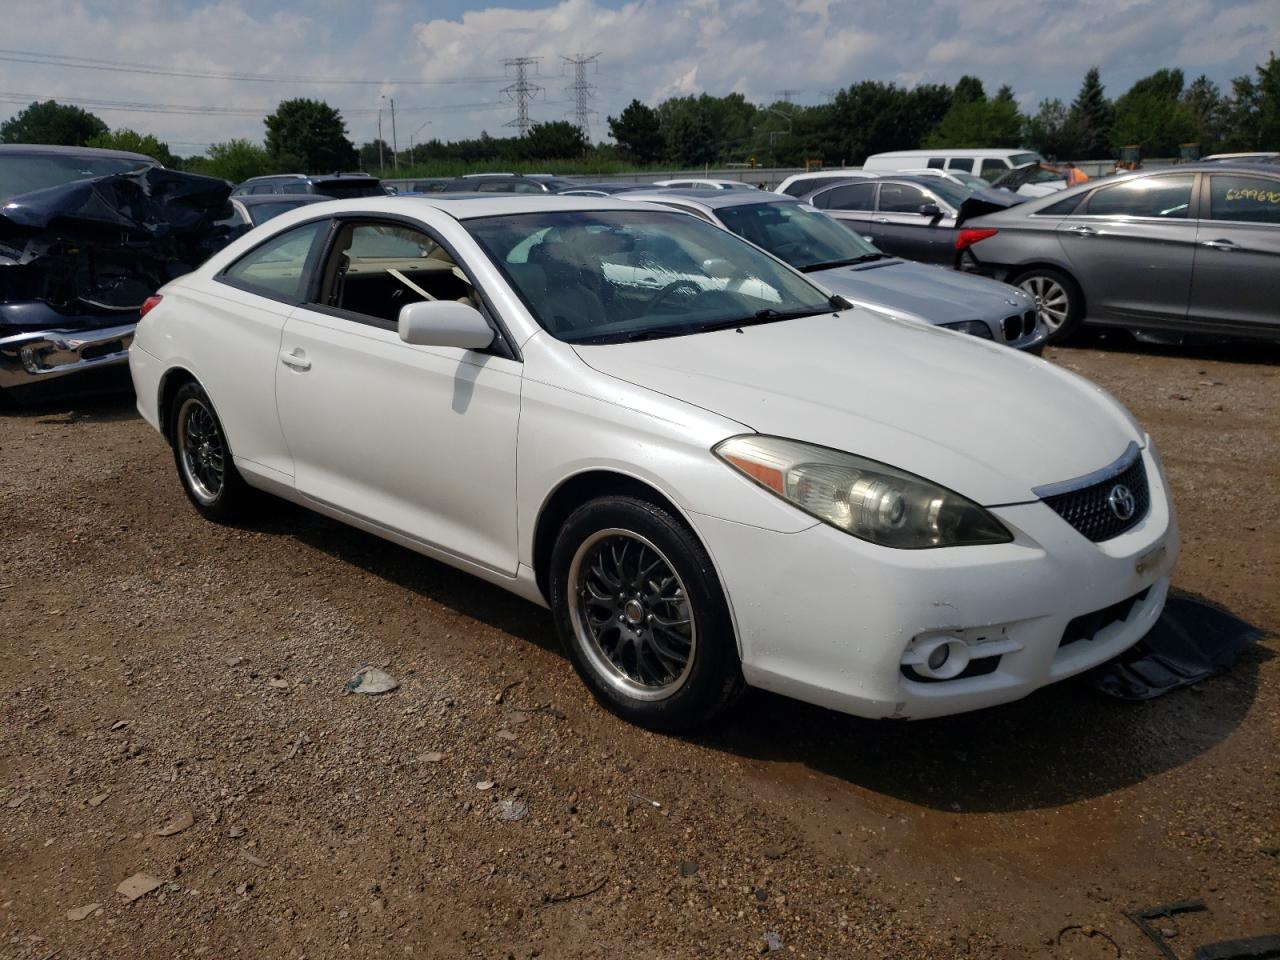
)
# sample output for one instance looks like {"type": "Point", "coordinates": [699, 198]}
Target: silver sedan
{"type": "Point", "coordinates": [1190, 250]}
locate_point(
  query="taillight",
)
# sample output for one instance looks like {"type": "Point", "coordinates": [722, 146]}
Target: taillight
{"type": "Point", "coordinates": [967, 238]}
{"type": "Point", "coordinates": [149, 304]}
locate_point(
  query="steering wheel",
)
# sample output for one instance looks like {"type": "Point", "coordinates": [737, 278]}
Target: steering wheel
{"type": "Point", "coordinates": [669, 290]}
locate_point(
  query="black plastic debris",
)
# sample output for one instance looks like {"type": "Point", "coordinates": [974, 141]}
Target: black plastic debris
{"type": "Point", "coordinates": [1190, 642]}
{"type": "Point", "coordinates": [1250, 948]}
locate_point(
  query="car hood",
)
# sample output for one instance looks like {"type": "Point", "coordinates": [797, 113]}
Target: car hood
{"type": "Point", "coordinates": [903, 288]}
{"type": "Point", "coordinates": [986, 421]}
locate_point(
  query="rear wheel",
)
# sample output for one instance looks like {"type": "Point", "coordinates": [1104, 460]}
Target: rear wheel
{"type": "Point", "coordinates": [641, 613]}
{"type": "Point", "coordinates": [1059, 302]}
{"type": "Point", "coordinates": [203, 457]}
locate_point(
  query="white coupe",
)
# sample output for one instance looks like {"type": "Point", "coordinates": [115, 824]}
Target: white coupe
{"type": "Point", "coordinates": [713, 474]}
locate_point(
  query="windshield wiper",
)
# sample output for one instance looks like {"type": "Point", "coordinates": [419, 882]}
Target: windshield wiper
{"type": "Point", "coordinates": [767, 315]}
{"type": "Point", "coordinates": [847, 262]}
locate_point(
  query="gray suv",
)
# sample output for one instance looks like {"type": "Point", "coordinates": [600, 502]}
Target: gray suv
{"type": "Point", "coordinates": [338, 186]}
{"type": "Point", "coordinates": [1192, 249]}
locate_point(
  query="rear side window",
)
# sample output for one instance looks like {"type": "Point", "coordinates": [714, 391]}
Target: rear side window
{"type": "Point", "coordinates": [495, 186]}
{"type": "Point", "coordinates": [1244, 199]}
{"type": "Point", "coordinates": [1060, 208]}
{"type": "Point", "coordinates": [277, 268]}
{"type": "Point", "coordinates": [801, 186]}
{"type": "Point", "coordinates": [961, 163]}
{"type": "Point", "coordinates": [855, 196]}
{"type": "Point", "coordinates": [1166, 197]}
{"type": "Point", "coordinates": [937, 163]}
{"type": "Point", "coordinates": [293, 186]}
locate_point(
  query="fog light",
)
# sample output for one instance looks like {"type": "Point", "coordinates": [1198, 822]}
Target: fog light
{"type": "Point", "coordinates": [938, 658]}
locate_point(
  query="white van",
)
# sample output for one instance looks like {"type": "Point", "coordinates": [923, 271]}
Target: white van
{"type": "Point", "coordinates": [987, 163]}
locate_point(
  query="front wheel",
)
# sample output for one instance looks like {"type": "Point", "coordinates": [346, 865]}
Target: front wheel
{"type": "Point", "coordinates": [1059, 302]}
{"type": "Point", "coordinates": [642, 615]}
{"type": "Point", "coordinates": [203, 457]}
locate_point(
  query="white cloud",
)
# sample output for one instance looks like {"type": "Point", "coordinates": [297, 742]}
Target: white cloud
{"type": "Point", "coordinates": [649, 49]}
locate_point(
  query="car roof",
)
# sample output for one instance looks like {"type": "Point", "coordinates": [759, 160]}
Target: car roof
{"type": "Point", "coordinates": [712, 200]}
{"type": "Point", "coordinates": [50, 149]}
{"type": "Point", "coordinates": [257, 199]}
{"type": "Point", "coordinates": [956, 151]}
{"type": "Point", "coordinates": [474, 206]}
{"type": "Point", "coordinates": [355, 175]}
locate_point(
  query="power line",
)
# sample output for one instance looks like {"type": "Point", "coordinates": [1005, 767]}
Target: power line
{"type": "Point", "coordinates": [522, 91]}
{"type": "Point", "coordinates": [121, 66]}
{"type": "Point", "coordinates": [581, 91]}
{"type": "Point", "coordinates": [132, 106]}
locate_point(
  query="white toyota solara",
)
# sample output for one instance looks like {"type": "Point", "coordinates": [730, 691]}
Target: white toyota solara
{"type": "Point", "coordinates": [713, 474]}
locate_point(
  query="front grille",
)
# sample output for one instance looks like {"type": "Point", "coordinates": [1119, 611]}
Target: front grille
{"type": "Point", "coordinates": [1028, 323]}
{"type": "Point", "coordinates": [1089, 509]}
{"type": "Point", "coordinates": [1089, 625]}
{"type": "Point", "coordinates": [1012, 327]}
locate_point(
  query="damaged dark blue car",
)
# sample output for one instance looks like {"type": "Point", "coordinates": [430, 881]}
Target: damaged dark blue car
{"type": "Point", "coordinates": [85, 237]}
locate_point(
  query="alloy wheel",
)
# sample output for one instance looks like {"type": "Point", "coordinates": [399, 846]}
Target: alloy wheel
{"type": "Point", "coordinates": [202, 452]}
{"type": "Point", "coordinates": [631, 614]}
{"type": "Point", "coordinates": [1053, 304]}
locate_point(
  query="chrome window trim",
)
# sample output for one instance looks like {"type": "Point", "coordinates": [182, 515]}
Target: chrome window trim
{"type": "Point", "coordinates": [1114, 469]}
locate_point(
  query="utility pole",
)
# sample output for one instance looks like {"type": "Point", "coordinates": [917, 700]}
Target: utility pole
{"type": "Point", "coordinates": [786, 95]}
{"type": "Point", "coordinates": [381, 162]}
{"type": "Point", "coordinates": [522, 91]}
{"type": "Point", "coordinates": [395, 153]}
{"type": "Point", "coordinates": [421, 127]}
{"type": "Point", "coordinates": [582, 92]}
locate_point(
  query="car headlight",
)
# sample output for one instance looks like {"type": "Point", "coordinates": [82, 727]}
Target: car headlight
{"type": "Point", "coordinates": [974, 328]}
{"type": "Point", "coordinates": [871, 500]}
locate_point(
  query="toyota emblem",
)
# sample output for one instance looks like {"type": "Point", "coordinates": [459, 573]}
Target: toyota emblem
{"type": "Point", "coordinates": [1121, 501]}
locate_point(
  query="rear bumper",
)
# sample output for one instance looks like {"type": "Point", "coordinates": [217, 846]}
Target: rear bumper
{"type": "Point", "coordinates": [27, 359]}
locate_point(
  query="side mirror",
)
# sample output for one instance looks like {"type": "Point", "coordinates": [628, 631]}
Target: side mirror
{"type": "Point", "coordinates": [444, 323]}
{"type": "Point", "coordinates": [931, 210]}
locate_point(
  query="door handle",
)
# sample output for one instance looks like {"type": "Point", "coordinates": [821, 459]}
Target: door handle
{"type": "Point", "coordinates": [296, 361]}
{"type": "Point", "coordinates": [879, 219]}
{"type": "Point", "coordinates": [1218, 244]}
{"type": "Point", "coordinates": [1083, 231]}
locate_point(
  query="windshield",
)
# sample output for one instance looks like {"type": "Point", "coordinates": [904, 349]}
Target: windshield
{"type": "Point", "coordinates": [1030, 173]}
{"type": "Point", "coordinates": [260, 213]}
{"type": "Point", "coordinates": [24, 174]}
{"type": "Point", "coordinates": [614, 275]}
{"type": "Point", "coordinates": [804, 238]}
{"type": "Point", "coordinates": [1018, 159]}
{"type": "Point", "coordinates": [951, 193]}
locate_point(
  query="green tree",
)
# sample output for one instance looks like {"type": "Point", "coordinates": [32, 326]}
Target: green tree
{"type": "Point", "coordinates": [638, 132]}
{"type": "Point", "coordinates": [1269, 104]}
{"type": "Point", "coordinates": [311, 134]}
{"type": "Point", "coordinates": [559, 140]}
{"type": "Point", "coordinates": [134, 142]}
{"type": "Point", "coordinates": [1205, 102]}
{"type": "Point", "coordinates": [236, 160]}
{"type": "Point", "coordinates": [1089, 122]}
{"type": "Point", "coordinates": [968, 89]}
{"type": "Point", "coordinates": [974, 121]}
{"type": "Point", "coordinates": [1151, 114]}
{"type": "Point", "coordinates": [873, 117]}
{"type": "Point", "coordinates": [1047, 130]}
{"type": "Point", "coordinates": [52, 122]}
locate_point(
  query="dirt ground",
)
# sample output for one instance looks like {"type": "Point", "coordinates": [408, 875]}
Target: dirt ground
{"type": "Point", "coordinates": [153, 665]}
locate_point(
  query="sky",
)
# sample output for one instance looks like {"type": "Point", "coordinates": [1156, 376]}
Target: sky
{"type": "Point", "coordinates": [441, 61]}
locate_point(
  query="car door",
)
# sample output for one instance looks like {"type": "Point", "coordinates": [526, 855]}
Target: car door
{"type": "Point", "coordinates": [898, 226]}
{"type": "Point", "coordinates": [417, 440]}
{"type": "Point", "coordinates": [852, 204]}
{"type": "Point", "coordinates": [1236, 279]}
{"type": "Point", "coordinates": [1131, 247]}
{"type": "Point", "coordinates": [239, 345]}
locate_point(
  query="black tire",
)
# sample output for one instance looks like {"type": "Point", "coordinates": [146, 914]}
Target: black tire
{"type": "Point", "coordinates": [654, 623]}
{"type": "Point", "coordinates": [1059, 301]}
{"type": "Point", "coordinates": [203, 458]}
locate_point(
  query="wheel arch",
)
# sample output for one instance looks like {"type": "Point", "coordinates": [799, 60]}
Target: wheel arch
{"type": "Point", "coordinates": [1016, 274]}
{"type": "Point", "coordinates": [573, 492]}
{"type": "Point", "coordinates": [170, 383]}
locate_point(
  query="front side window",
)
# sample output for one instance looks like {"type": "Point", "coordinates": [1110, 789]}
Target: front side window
{"type": "Point", "coordinates": [1244, 199]}
{"type": "Point", "coordinates": [805, 239]}
{"type": "Point", "coordinates": [937, 163]}
{"type": "Point", "coordinates": [616, 275]}
{"type": "Point", "coordinates": [1166, 197]}
{"type": "Point", "coordinates": [524, 186]}
{"type": "Point", "coordinates": [801, 185]}
{"type": "Point", "coordinates": [901, 198]}
{"type": "Point", "coordinates": [375, 269]}
{"type": "Point", "coordinates": [854, 197]}
{"type": "Point", "coordinates": [278, 267]}
{"type": "Point", "coordinates": [992, 168]}
{"type": "Point", "coordinates": [961, 163]}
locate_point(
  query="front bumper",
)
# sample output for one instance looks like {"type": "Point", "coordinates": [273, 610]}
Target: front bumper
{"type": "Point", "coordinates": [27, 359]}
{"type": "Point", "coordinates": [826, 618]}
